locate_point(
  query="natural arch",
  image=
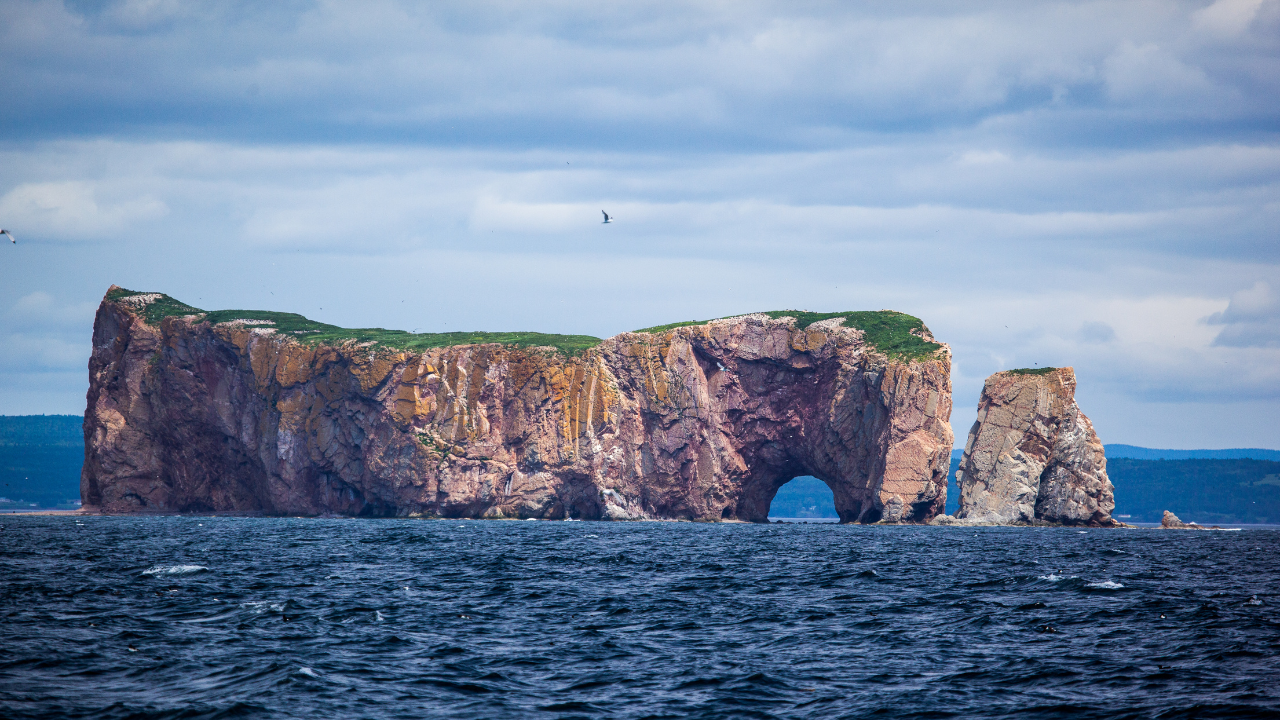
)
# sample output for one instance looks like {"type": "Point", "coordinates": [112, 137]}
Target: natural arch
{"type": "Point", "coordinates": [726, 426]}
{"type": "Point", "coordinates": [701, 421]}
{"type": "Point", "coordinates": [804, 497]}
{"type": "Point", "coordinates": [758, 495]}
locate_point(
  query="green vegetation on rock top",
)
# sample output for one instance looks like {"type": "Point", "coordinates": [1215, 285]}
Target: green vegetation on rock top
{"type": "Point", "coordinates": [1031, 371]}
{"type": "Point", "coordinates": [892, 333]}
{"type": "Point", "coordinates": [312, 332]}
{"type": "Point", "coordinates": [158, 309]}
{"type": "Point", "coordinates": [888, 331]}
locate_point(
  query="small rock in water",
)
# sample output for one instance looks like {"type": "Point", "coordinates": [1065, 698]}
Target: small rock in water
{"type": "Point", "coordinates": [1171, 522]}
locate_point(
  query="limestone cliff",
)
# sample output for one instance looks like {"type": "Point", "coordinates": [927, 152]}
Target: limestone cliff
{"type": "Point", "coordinates": [194, 411]}
{"type": "Point", "coordinates": [1033, 457]}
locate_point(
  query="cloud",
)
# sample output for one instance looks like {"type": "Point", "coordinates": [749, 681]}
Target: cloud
{"type": "Point", "coordinates": [1147, 72]}
{"type": "Point", "coordinates": [1065, 184]}
{"type": "Point", "coordinates": [1252, 319]}
{"type": "Point", "coordinates": [42, 310]}
{"type": "Point", "coordinates": [72, 209]}
{"type": "Point", "coordinates": [1096, 333]}
{"type": "Point", "coordinates": [765, 75]}
{"type": "Point", "coordinates": [1227, 18]}
{"type": "Point", "coordinates": [39, 334]}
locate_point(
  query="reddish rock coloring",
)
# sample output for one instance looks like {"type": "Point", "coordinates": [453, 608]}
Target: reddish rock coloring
{"type": "Point", "coordinates": [1032, 457]}
{"type": "Point", "coordinates": [701, 422]}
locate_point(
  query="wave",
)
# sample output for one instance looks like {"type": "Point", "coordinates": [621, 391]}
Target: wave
{"type": "Point", "coordinates": [548, 622]}
{"type": "Point", "coordinates": [175, 570]}
{"type": "Point", "coordinates": [1105, 585]}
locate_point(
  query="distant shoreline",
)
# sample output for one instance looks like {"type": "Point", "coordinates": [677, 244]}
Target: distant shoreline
{"type": "Point", "coordinates": [772, 520]}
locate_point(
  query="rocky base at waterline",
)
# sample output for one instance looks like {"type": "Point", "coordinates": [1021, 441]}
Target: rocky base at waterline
{"type": "Point", "coordinates": [1032, 457]}
{"type": "Point", "coordinates": [1172, 522]}
{"type": "Point", "coordinates": [271, 413]}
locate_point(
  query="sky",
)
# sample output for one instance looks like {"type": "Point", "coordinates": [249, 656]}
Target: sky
{"type": "Point", "coordinates": [1092, 184]}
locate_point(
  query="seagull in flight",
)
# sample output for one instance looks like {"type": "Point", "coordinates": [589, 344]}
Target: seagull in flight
{"type": "Point", "coordinates": [606, 217]}
{"type": "Point", "coordinates": [15, 240]}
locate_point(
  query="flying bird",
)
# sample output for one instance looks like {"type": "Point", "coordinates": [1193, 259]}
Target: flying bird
{"type": "Point", "coordinates": [15, 240]}
{"type": "Point", "coordinates": [606, 216]}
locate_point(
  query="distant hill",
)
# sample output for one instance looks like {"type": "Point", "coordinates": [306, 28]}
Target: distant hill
{"type": "Point", "coordinates": [1206, 491]}
{"type": "Point", "coordinates": [44, 430]}
{"type": "Point", "coordinates": [40, 459]}
{"type": "Point", "coordinates": [1141, 453]}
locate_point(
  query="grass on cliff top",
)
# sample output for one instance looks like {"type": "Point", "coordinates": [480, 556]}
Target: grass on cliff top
{"type": "Point", "coordinates": [312, 332]}
{"type": "Point", "coordinates": [885, 330]}
{"type": "Point", "coordinates": [1031, 371]}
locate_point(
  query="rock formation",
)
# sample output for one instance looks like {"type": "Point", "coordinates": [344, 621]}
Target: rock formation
{"type": "Point", "coordinates": [191, 411]}
{"type": "Point", "coordinates": [1171, 522]}
{"type": "Point", "coordinates": [1032, 457]}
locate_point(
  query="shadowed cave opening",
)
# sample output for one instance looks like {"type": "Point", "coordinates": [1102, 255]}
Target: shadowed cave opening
{"type": "Point", "coordinates": [805, 499]}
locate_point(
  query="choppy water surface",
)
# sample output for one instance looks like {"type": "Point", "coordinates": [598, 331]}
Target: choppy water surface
{"type": "Point", "coordinates": [228, 617]}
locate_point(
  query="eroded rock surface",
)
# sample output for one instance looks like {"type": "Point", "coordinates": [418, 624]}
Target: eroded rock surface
{"type": "Point", "coordinates": [702, 422]}
{"type": "Point", "coordinates": [1033, 457]}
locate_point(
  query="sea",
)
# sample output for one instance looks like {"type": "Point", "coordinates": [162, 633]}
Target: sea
{"type": "Point", "coordinates": [221, 617]}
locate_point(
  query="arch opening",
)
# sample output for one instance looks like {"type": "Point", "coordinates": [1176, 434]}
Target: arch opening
{"type": "Point", "coordinates": [804, 499]}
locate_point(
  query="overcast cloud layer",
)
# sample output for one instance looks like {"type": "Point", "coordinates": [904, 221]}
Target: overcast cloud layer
{"type": "Point", "coordinates": [1085, 184]}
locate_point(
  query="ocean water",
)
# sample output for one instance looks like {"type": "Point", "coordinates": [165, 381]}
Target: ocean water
{"type": "Point", "coordinates": [185, 617]}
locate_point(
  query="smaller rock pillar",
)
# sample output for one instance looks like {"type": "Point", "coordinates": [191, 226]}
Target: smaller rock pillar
{"type": "Point", "coordinates": [1033, 457]}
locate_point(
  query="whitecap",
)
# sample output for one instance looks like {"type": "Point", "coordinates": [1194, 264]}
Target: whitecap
{"type": "Point", "coordinates": [1105, 585]}
{"type": "Point", "coordinates": [309, 672]}
{"type": "Point", "coordinates": [377, 615]}
{"type": "Point", "coordinates": [174, 569]}
{"type": "Point", "coordinates": [1051, 577]}
{"type": "Point", "coordinates": [591, 536]}
{"type": "Point", "coordinates": [261, 606]}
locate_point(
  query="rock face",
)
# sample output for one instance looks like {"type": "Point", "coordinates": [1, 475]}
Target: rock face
{"type": "Point", "coordinates": [1032, 457]}
{"type": "Point", "coordinates": [701, 422]}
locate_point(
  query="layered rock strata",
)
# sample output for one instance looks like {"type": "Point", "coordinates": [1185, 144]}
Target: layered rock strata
{"type": "Point", "coordinates": [702, 422]}
{"type": "Point", "coordinates": [1033, 457]}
